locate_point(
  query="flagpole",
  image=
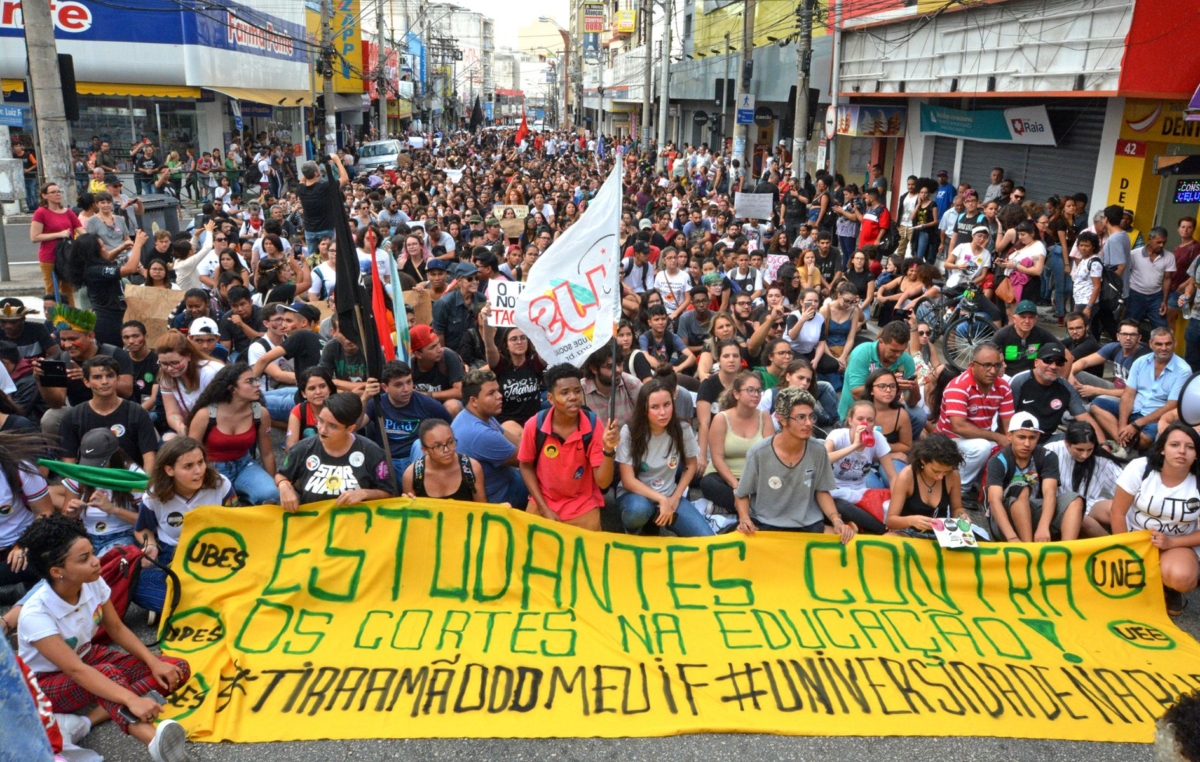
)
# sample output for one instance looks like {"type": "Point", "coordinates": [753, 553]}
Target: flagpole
{"type": "Point", "coordinates": [618, 378]}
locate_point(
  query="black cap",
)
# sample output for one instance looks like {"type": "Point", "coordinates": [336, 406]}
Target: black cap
{"type": "Point", "coordinates": [1052, 351]}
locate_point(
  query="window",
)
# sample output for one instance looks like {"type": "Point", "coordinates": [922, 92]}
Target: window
{"type": "Point", "coordinates": [687, 26]}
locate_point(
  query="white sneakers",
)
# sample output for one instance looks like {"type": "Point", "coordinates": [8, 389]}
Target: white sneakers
{"type": "Point", "coordinates": [168, 743]}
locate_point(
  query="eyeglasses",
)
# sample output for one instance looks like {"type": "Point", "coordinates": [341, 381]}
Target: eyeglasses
{"type": "Point", "coordinates": [441, 446]}
{"type": "Point", "coordinates": [802, 418]}
{"type": "Point", "coordinates": [220, 240]}
{"type": "Point", "coordinates": [169, 364]}
{"type": "Point", "coordinates": [996, 366]}
{"type": "Point", "coordinates": [1129, 334]}
{"type": "Point", "coordinates": [753, 391]}
{"type": "Point", "coordinates": [885, 387]}
{"type": "Point", "coordinates": [923, 333]}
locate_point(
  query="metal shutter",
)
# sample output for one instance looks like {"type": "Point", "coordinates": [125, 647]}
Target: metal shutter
{"type": "Point", "coordinates": [1069, 167]}
{"type": "Point", "coordinates": [944, 149]}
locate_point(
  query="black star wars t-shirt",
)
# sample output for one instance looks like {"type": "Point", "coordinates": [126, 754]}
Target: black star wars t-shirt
{"type": "Point", "coordinates": [317, 476]}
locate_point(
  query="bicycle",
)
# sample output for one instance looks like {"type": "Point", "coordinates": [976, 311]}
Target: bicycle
{"type": "Point", "coordinates": [970, 327]}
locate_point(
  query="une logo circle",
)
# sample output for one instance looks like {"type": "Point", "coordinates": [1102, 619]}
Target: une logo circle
{"type": "Point", "coordinates": [1141, 635]}
{"type": "Point", "coordinates": [1116, 572]}
{"type": "Point", "coordinates": [215, 555]}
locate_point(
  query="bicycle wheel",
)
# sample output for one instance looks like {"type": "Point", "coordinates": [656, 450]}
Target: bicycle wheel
{"type": "Point", "coordinates": [964, 333]}
{"type": "Point", "coordinates": [933, 313]}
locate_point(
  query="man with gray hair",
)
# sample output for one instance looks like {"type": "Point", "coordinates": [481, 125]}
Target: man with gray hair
{"type": "Point", "coordinates": [1150, 268]}
{"type": "Point", "coordinates": [787, 478]}
{"type": "Point", "coordinates": [314, 200]}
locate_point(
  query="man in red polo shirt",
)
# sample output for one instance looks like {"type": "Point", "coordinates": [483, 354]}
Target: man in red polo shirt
{"type": "Point", "coordinates": [876, 219]}
{"type": "Point", "coordinates": [567, 470]}
{"type": "Point", "coordinates": [969, 405]}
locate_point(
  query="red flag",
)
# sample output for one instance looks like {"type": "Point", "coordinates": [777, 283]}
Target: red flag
{"type": "Point", "coordinates": [523, 130]}
{"type": "Point", "coordinates": [379, 303]}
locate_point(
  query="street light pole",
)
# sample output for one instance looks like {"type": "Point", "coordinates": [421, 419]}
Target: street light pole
{"type": "Point", "coordinates": [664, 82]}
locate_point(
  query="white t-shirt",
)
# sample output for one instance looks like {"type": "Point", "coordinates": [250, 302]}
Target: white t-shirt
{"type": "Point", "coordinates": [168, 517]}
{"type": "Point", "coordinates": [208, 266]}
{"type": "Point", "coordinates": [1081, 277]}
{"type": "Point", "coordinates": [1104, 475]}
{"type": "Point", "coordinates": [97, 522]}
{"type": "Point", "coordinates": [673, 288]}
{"type": "Point", "coordinates": [1033, 252]}
{"type": "Point", "coordinates": [45, 615]}
{"type": "Point", "coordinates": [258, 250]}
{"type": "Point", "coordinates": [15, 513]}
{"type": "Point", "coordinates": [852, 470]}
{"type": "Point", "coordinates": [1171, 510]}
{"type": "Point", "coordinates": [640, 279]}
{"type": "Point", "coordinates": [323, 274]}
{"type": "Point", "coordinates": [964, 255]}
{"type": "Point", "coordinates": [186, 399]}
{"type": "Point", "coordinates": [907, 205]}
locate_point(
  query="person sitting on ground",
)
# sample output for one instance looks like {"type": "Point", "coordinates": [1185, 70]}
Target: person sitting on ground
{"type": "Point", "coordinates": [1178, 735]}
{"type": "Point", "coordinates": [441, 471]}
{"type": "Point", "coordinates": [856, 451]}
{"type": "Point", "coordinates": [1023, 500]}
{"type": "Point", "coordinates": [787, 479]}
{"type": "Point", "coordinates": [28, 496]}
{"type": "Point", "coordinates": [230, 420]}
{"type": "Point", "coordinates": [567, 455]}
{"type": "Point", "coordinates": [482, 436]}
{"type": "Point", "coordinates": [657, 460]}
{"type": "Point", "coordinates": [316, 386]}
{"type": "Point", "coordinates": [969, 405]}
{"type": "Point", "coordinates": [889, 350]}
{"type": "Point", "coordinates": [1088, 470]}
{"type": "Point", "coordinates": [183, 372]}
{"type": "Point", "coordinates": [54, 639]}
{"type": "Point", "coordinates": [930, 488]}
{"type": "Point", "coordinates": [437, 371]}
{"type": "Point", "coordinates": [1151, 391]}
{"type": "Point", "coordinates": [891, 418]}
{"type": "Point", "coordinates": [1121, 353]}
{"type": "Point", "coordinates": [602, 389]}
{"type": "Point", "coordinates": [1043, 392]}
{"type": "Point", "coordinates": [733, 431]}
{"type": "Point", "coordinates": [1020, 341]}
{"type": "Point", "coordinates": [105, 410]}
{"type": "Point", "coordinates": [393, 399]}
{"type": "Point", "coordinates": [1161, 492]}
{"type": "Point", "coordinates": [108, 515]}
{"type": "Point", "coordinates": [337, 463]}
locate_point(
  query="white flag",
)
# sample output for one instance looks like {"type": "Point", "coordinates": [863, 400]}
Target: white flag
{"type": "Point", "coordinates": [572, 296]}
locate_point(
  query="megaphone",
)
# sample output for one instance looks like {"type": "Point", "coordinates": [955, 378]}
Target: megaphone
{"type": "Point", "coordinates": [1189, 401]}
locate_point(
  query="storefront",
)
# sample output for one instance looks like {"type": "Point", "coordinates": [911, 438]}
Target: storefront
{"type": "Point", "coordinates": [1156, 167]}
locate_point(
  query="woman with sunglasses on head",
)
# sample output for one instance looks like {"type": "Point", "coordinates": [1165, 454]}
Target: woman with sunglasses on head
{"type": "Point", "coordinates": [441, 472]}
{"type": "Point", "coordinates": [518, 369]}
{"type": "Point", "coordinates": [1088, 470]}
{"type": "Point", "coordinates": [801, 375]}
{"type": "Point", "coordinates": [930, 488]}
{"type": "Point", "coordinates": [1161, 493]}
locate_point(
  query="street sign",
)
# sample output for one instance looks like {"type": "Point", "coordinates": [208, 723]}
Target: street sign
{"type": "Point", "coordinates": [763, 116]}
{"type": "Point", "coordinates": [745, 109]}
{"type": "Point", "coordinates": [700, 117]}
{"type": "Point", "coordinates": [12, 116]}
{"type": "Point", "coordinates": [830, 122]}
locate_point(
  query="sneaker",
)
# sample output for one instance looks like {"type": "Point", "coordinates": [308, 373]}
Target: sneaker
{"type": "Point", "coordinates": [1117, 451]}
{"type": "Point", "coordinates": [168, 743]}
{"type": "Point", "coordinates": [1175, 602]}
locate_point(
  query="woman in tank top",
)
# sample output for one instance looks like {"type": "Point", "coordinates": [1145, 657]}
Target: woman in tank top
{"type": "Point", "coordinates": [442, 472]}
{"type": "Point", "coordinates": [733, 430]}
{"type": "Point", "coordinates": [843, 319]}
{"type": "Point", "coordinates": [930, 488]}
{"type": "Point", "coordinates": [891, 419]}
{"type": "Point", "coordinates": [230, 420]}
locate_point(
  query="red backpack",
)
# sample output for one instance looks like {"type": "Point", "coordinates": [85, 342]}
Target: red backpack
{"type": "Point", "coordinates": [120, 567]}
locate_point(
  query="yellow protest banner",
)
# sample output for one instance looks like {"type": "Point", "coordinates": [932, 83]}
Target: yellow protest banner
{"type": "Point", "coordinates": [414, 619]}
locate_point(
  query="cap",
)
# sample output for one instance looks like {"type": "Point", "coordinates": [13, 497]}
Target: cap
{"type": "Point", "coordinates": [970, 193]}
{"type": "Point", "coordinates": [783, 142]}
{"type": "Point", "coordinates": [645, 225]}
{"type": "Point", "coordinates": [943, 173]}
{"type": "Point", "coordinates": [13, 308]}
{"type": "Point", "coordinates": [1052, 351]}
{"type": "Point", "coordinates": [203, 326]}
{"type": "Point", "coordinates": [97, 447]}
{"type": "Point", "coordinates": [1128, 213]}
{"type": "Point", "coordinates": [475, 219]}
{"type": "Point", "coordinates": [465, 269]}
{"type": "Point", "coordinates": [1024, 420]}
{"type": "Point", "coordinates": [491, 222]}
{"type": "Point", "coordinates": [1024, 307]}
{"type": "Point", "coordinates": [980, 229]}
{"type": "Point", "coordinates": [435, 264]}
{"type": "Point", "coordinates": [307, 311]}
{"type": "Point", "coordinates": [111, 179]}
{"type": "Point", "coordinates": [421, 336]}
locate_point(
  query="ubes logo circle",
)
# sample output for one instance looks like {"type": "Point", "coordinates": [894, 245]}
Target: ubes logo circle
{"type": "Point", "coordinates": [1141, 635]}
{"type": "Point", "coordinates": [193, 630]}
{"type": "Point", "coordinates": [1116, 572]}
{"type": "Point", "coordinates": [215, 555]}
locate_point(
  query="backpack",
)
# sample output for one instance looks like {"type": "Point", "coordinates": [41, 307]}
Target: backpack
{"type": "Point", "coordinates": [539, 439]}
{"type": "Point", "coordinates": [252, 175]}
{"type": "Point", "coordinates": [628, 268]}
{"type": "Point", "coordinates": [62, 260]}
{"type": "Point", "coordinates": [1039, 465]}
{"type": "Point", "coordinates": [1112, 288]}
{"type": "Point", "coordinates": [889, 242]}
{"type": "Point", "coordinates": [120, 568]}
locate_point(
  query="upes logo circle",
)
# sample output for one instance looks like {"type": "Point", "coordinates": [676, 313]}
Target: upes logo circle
{"type": "Point", "coordinates": [175, 519]}
{"type": "Point", "coordinates": [68, 15]}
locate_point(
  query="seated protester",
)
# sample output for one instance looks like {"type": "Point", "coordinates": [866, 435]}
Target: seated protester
{"type": "Point", "coordinates": [437, 371]}
{"type": "Point", "coordinates": [1121, 353]}
{"type": "Point", "coordinates": [55, 633]}
{"type": "Point", "coordinates": [1151, 391]}
{"type": "Point", "coordinates": [106, 411]}
{"type": "Point", "coordinates": [1160, 492]}
{"type": "Point", "coordinates": [721, 328]}
{"type": "Point", "coordinates": [856, 451]}
{"type": "Point", "coordinates": [180, 482]}
{"type": "Point", "coordinates": [657, 460]}
{"type": "Point", "coordinates": [302, 346]}
{"type": "Point", "coordinates": [143, 362]}
{"type": "Point", "coordinates": [1023, 500]}
{"type": "Point", "coordinates": [183, 372]}
{"type": "Point", "coordinates": [229, 419]}
{"type": "Point", "coordinates": [930, 488]}
{"type": "Point", "coordinates": [197, 303]}
{"type": "Point", "coordinates": [316, 386]}
{"type": "Point", "coordinates": [746, 279]}
{"type": "Point", "coordinates": [662, 346]}
{"type": "Point", "coordinates": [518, 370]}
{"type": "Point", "coordinates": [344, 360]}
{"type": "Point", "coordinates": [969, 405]}
{"type": "Point", "coordinates": [737, 427]}
{"type": "Point", "coordinates": [891, 418]}
{"type": "Point", "coordinates": [708, 399]}
{"type": "Point", "coordinates": [441, 472]}
{"type": "Point", "coordinates": [108, 516]}
{"type": "Point", "coordinates": [481, 435]}
{"type": "Point", "coordinates": [631, 359]}
{"type": "Point", "coordinates": [31, 339]}
{"type": "Point", "coordinates": [324, 274]}
{"type": "Point", "coordinates": [402, 410]}
{"type": "Point", "coordinates": [25, 491]}
{"type": "Point", "coordinates": [1090, 471]}
{"type": "Point", "coordinates": [693, 325]}
{"type": "Point", "coordinates": [203, 332]}
{"type": "Point", "coordinates": [278, 382]}
{"type": "Point", "coordinates": [567, 455]}
{"type": "Point", "coordinates": [787, 479]}
{"type": "Point", "coordinates": [800, 375]}
{"type": "Point", "coordinates": [25, 398]}
{"type": "Point", "coordinates": [1020, 340]}
{"type": "Point", "coordinates": [843, 320]}
{"type": "Point", "coordinates": [889, 350]}
{"type": "Point", "coordinates": [778, 355]}
{"type": "Point", "coordinates": [74, 328]}
{"type": "Point", "coordinates": [598, 391]}
{"type": "Point", "coordinates": [1043, 393]}
{"type": "Point", "coordinates": [1078, 341]}
{"type": "Point", "coordinates": [806, 331]}
{"type": "Point", "coordinates": [242, 324]}
{"type": "Point", "coordinates": [637, 273]}
{"type": "Point", "coordinates": [337, 463]}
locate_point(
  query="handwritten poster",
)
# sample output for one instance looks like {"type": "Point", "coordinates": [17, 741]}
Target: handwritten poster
{"type": "Point", "coordinates": [502, 296]}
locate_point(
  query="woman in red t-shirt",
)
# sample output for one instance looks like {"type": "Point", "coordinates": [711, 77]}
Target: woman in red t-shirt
{"type": "Point", "coordinates": [51, 223]}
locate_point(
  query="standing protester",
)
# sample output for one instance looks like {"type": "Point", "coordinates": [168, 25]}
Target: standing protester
{"type": "Point", "coordinates": [52, 222]}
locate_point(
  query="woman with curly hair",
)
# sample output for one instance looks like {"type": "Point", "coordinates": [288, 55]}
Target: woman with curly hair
{"type": "Point", "coordinates": [235, 427]}
{"type": "Point", "coordinates": [930, 488]}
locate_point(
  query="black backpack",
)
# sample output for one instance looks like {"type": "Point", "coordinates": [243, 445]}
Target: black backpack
{"type": "Point", "coordinates": [1112, 288]}
{"type": "Point", "coordinates": [540, 436]}
{"type": "Point", "coordinates": [252, 176]}
{"type": "Point", "coordinates": [62, 260]}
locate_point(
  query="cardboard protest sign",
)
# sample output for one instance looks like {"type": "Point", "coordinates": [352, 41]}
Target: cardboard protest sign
{"type": "Point", "coordinates": [152, 306]}
{"type": "Point", "coordinates": [502, 296]}
{"type": "Point", "coordinates": [753, 206]}
{"type": "Point", "coordinates": [422, 307]}
{"type": "Point", "coordinates": [512, 226]}
{"type": "Point", "coordinates": [424, 618]}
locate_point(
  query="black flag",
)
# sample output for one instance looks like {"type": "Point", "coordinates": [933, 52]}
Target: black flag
{"type": "Point", "coordinates": [476, 115]}
{"type": "Point", "coordinates": [353, 302]}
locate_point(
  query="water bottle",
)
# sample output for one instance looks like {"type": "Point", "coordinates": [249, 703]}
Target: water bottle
{"type": "Point", "coordinates": [868, 438]}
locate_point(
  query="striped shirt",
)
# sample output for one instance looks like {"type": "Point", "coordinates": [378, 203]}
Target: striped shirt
{"type": "Point", "coordinates": [964, 399]}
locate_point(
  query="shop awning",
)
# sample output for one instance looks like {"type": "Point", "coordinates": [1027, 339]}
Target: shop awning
{"type": "Point", "coordinates": [12, 85]}
{"type": "Point", "coordinates": [285, 98]}
{"type": "Point", "coordinates": [116, 89]}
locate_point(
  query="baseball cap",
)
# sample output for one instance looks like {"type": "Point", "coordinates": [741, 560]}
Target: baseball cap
{"type": "Point", "coordinates": [1024, 420]}
{"type": "Point", "coordinates": [980, 229]}
{"type": "Point", "coordinates": [421, 336]}
{"type": "Point", "coordinates": [1052, 351]}
{"type": "Point", "coordinates": [203, 326]}
{"type": "Point", "coordinates": [435, 264]}
{"type": "Point", "coordinates": [491, 222]}
{"type": "Point", "coordinates": [97, 447]}
{"type": "Point", "coordinates": [943, 173]}
{"type": "Point", "coordinates": [645, 225]}
{"type": "Point", "coordinates": [111, 179]}
{"type": "Point", "coordinates": [307, 311]}
{"type": "Point", "coordinates": [465, 269]}
{"type": "Point", "coordinates": [475, 219]}
{"type": "Point", "coordinates": [1024, 307]}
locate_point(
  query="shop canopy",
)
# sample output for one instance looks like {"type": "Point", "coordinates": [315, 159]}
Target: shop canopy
{"type": "Point", "coordinates": [118, 90]}
{"type": "Point", "coordinates": [286, 98]}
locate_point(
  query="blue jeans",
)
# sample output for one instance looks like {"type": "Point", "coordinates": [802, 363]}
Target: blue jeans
{"type": "Point", "coordinates": [1057, 286]}
{"type": "Point", "coordinates": [848, 245]}
{"type": "Point", "coordinates": [151, 588]}
{"type": "Point", "coordinates": [1192, 337]}
{"type": "Point", "coordinates": [918, 417]}
{"type": "Point", "coordinates": [1138, 306]}
{"type": "Point", "coordinates": [924, 247]}
{"type": "Point", "coordinates": [250, 480]}
{"type": "Point", "coordinates": [637, 511]}
{"type": "Point", "coordinates": [102, 543]}
{"type": "Point", "coordinates": [312, 238]}
{"type": "Point", "coordinates": [1113, 405]}
{"type": "Point", "coordinates": [279, 402]}
{"type": "Point", "coordinates": [31, 193]}
{"type": "Point", "coordinates": [517, 494]}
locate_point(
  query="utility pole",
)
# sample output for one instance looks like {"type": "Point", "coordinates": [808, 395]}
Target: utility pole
{"type": "Point", "coordinates": [50, 117]}
{"type": "Point", "coordinates": [327, 58]}
{"type": "Point", "coordinates": [664, 82]}
{"type": "Point", "coordinates": [648, 79]}
{"type": "Point", "coordinates": [743, 149]}
{"type": "Point", "coordinates": [725, 118]}
{"type": "Point", "coordinates": [381, 83]}
{"type": "Point", "coordinates": [836, 78]}
{"type": "Point", "coordinates": [804, 15]}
